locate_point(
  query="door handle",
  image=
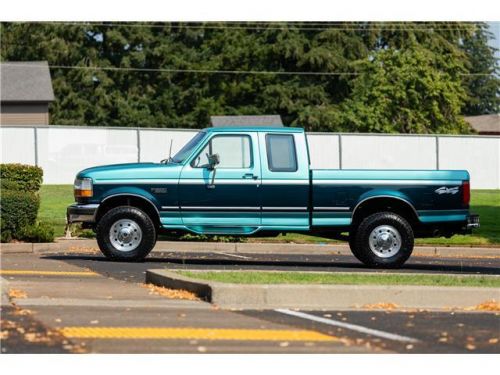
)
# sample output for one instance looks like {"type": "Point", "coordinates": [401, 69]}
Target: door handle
{"type": "Point", "coordinates": [250, 175]}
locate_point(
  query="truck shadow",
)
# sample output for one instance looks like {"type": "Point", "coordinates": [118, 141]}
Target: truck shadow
{"type": "Point", "coordinates": [296, 262]}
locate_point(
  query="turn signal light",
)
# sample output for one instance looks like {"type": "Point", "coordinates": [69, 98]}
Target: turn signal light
{"type": "Point", "coordinates": [83, 188]}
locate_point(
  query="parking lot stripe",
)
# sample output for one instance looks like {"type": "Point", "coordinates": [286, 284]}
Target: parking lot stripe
{"type": "Point", "coordinates": [46, 273]}
{"type": "Point", "coordinates": [194, 334]}
{"type": "Point", "coordinates": [353, 327]}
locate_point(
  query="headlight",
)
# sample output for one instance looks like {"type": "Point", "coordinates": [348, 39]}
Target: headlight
{"type": "Point", "coordinates": [83, 188]}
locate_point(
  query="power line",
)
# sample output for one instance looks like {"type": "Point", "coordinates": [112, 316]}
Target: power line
{"type": "Point", "coordinates": [284, 26]}
{"type": "Point", "coordinates": [204, 71]}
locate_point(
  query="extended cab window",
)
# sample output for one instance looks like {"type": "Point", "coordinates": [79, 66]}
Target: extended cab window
{"type": "Point", "coordinates": [281, 155]}
{"type": "Point", "coordinates": [235, 151]}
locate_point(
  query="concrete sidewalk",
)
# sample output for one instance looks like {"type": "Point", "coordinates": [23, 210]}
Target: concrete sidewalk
{"type": "Point", "coordinates": [79, 245]}
{"type": "Point", "coordinates": [323, 296]}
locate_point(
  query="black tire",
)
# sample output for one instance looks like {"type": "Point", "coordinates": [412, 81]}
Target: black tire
{"type": "Point", "coordinates": [354, 251]}
{"type": "Point", "coordinates": [139, 217]}
{"type": "Point", "coordinates": [360, 243]}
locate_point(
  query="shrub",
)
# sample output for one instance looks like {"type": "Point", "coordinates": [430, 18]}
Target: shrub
{"type": "Point", "coordinates": [41, 232]}
{"type": "Point", "coordinates": [19, 209]}
{"type": "Point", "coordinates": [26, 177]}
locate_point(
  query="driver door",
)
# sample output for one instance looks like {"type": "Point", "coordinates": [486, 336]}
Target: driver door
{"type": "Point", "coordinates": [232, 204]}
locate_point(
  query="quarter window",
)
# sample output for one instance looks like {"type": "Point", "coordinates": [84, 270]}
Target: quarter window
{"type": "Point", "coordinates": [281, 154]}
{"type": "Point", "coordinates": [235, 152]}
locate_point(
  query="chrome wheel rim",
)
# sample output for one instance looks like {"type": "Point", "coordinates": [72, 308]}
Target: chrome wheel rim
{"type": "Point", "coordinates": [125, 235]}
{"type": "Point", "coordinates": [385, 241]}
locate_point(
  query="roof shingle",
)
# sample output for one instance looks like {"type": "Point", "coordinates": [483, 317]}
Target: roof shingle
{"type": "Point", "coordinates": [25, 81]}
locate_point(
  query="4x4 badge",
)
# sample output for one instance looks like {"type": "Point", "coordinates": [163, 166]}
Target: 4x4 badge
{"type": "Point", "coordinates": [445, 190]}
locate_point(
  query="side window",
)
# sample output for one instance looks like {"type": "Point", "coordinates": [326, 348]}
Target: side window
{"type": "Point", "coordinates": [235, 151]}
{"type": "Point", "coordinates": [281, 155]}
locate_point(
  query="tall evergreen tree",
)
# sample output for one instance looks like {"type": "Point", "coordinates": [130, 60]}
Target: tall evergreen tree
{"type": "Point", "coordinates": [148, 89]}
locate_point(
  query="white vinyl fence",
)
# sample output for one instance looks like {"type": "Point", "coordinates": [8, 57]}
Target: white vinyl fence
{"type": "Point", "coordinates": [64, 150]}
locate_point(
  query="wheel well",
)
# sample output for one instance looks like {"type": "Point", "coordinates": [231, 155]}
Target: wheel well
{"type": "Point", "coordinates": [129, 200]}
{"type": "Point", "coordinates": [380, 204]}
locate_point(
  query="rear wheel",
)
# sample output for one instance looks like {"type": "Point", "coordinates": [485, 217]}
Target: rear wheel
{"type": "Point", "coordinates": [383, 240]}
{"type": "Point", "coordinates": [126, 233]}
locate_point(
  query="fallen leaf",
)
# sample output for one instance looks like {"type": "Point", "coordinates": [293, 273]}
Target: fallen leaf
{"type": "Point", "coordinates": [381, 306]}
{"type": "Point", "coordinates": [284, 344]}
{"type": "Point", "coordinates": [170, 293]}
{"type": "Point", "coordinates": [493, 340]}
{"type": "Point", "coordinates": [94, 321]}
{"type": "Point", "coordinates": [490, 305]}
{"type": "Point", "coordinates": [201, 349]}
{"type": "Point", "coordinates": [17, 293]}
{"type": "Point", "coordinates": [470, 346]}
{"type": "Point", "coordinates": [409, 346]}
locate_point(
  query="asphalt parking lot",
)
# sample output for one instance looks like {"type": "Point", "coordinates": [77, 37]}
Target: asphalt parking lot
{"type": "Point", "coordinates": [80, 302]}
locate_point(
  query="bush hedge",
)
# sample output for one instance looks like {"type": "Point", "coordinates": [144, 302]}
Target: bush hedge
{"type": "Point", "coordinates": [19, 204]}
{"type": "Point", "coordinates": [19, 210]}
{"type": "Point", "coordinates": [26, 177]}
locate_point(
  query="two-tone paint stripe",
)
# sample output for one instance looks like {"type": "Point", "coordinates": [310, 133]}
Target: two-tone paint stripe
{"type": "Point", "coordinates": [386, 182]}
{"type": "Point", "coordinates": [231, 208]}
{"type": "Point", "coordinates": [201, 181]}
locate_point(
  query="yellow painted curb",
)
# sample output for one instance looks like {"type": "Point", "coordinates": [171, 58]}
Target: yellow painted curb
{"type": "Point", "coordinates": [46, 273]}
{"type": "Point", "coordinates": [193, 334]}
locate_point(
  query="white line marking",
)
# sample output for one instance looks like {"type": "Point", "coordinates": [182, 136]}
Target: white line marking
{"type": "Point", "coordinates": [234, 255]}
{"type": "Point", "coordinates": [353, 327]}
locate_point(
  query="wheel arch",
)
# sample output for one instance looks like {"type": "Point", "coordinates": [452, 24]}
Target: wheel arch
{"type": "Point", "coordinates": [129, 199]}
{"type": "Point", "coordinates": [379, 203]}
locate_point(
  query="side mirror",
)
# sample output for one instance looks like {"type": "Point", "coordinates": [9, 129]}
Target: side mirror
{"type": "Point", "coordinates": [213, 161]}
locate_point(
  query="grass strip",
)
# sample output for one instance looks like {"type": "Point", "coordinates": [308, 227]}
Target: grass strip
{"type": "Point", "coordinates": [250, 277]}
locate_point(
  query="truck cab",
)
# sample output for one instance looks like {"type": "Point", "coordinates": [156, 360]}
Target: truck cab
{"type": "Point", "coordinates": [258, 181]}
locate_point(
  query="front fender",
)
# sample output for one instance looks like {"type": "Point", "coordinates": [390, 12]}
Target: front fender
{"type": "Point", "coordinates": [131, 190]}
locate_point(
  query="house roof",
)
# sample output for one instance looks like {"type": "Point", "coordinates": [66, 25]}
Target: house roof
{"type": "Point", "coordinates": [485, 123]}
{"type": "Point", "coordinates": [231, 121]}
{"type": "Point", "coordinates": [25, 81]}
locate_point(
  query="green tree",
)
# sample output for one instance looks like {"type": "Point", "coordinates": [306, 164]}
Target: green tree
{"type": "Point", "coordinates": [138, 94]}
{"type": "Point", "coordinates": [403, 91]}
{"type": "Point", "coordinates": [483, 85]}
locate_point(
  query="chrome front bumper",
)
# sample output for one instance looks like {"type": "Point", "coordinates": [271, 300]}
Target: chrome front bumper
{"type": "Point", "coordinates": [81, 213]}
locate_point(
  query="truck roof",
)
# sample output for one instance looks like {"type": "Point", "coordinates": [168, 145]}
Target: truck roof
{"type": "Point", "coordinates": [254, 129]}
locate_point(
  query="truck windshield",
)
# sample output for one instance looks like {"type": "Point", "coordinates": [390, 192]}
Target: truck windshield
{"type": "Point", "coordinates": [184, 152]}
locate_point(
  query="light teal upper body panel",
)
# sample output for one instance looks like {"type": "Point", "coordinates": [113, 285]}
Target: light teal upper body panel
{"type": "Point", "coordinates": [132, 172]}
{"type": "Point", "coordinates": [389, 174]}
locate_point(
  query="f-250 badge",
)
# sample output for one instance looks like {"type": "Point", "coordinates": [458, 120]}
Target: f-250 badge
{"type": "Point", "coordinates": [445, 190]}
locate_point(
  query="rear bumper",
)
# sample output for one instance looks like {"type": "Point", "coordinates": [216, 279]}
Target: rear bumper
{"type": "Point", "coordinates": [81, 213]}
{"type": "Point", "coordinates": [448, 229]}
{"type": "Point", "coordinates": [473, 221]}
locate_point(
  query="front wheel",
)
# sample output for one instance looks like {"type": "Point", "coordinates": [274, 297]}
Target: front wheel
{"type": "Point", "coordinates": [126, 233]}
{"type": "Point", "coordinates": [383, 240]}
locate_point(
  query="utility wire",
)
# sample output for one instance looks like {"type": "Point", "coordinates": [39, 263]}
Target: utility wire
{"type": "Point", "coordinates": [285, 26]}
{"type": "Point", "coordinates": [203, 71]}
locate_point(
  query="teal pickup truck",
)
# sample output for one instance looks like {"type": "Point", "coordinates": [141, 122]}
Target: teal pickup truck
{"type": "Point", "coordinates": [258, 181]}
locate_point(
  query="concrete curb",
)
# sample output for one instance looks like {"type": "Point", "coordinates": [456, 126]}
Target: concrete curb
{"type": "Point", "coordinates": [344, 297]}
{"type": "Point", "coordinates": [63, 245]}
{"type": "Point", "coordinates": [4, 291]}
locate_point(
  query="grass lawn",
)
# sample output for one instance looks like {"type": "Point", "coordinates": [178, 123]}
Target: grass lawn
{"type": "Point", "coordinates": [53, 203]}
{"type": "Point", "coordinates": [238, 277]}
{"type": "Point", "coordinates": [55, 199]}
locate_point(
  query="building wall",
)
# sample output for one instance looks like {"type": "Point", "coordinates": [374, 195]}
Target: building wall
{"type": "Point", "coordinates": [24, 114]}
{"type": "Point", "coordinates": [62, 151]}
